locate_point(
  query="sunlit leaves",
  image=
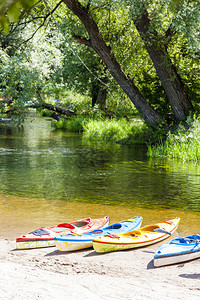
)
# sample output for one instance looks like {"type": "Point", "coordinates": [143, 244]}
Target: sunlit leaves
{"type": "Point", "coordinates": [10, 11]}
{"type": "Point", "coordinates": [180, 17]}
{"type": "Point", "coordinates": [30, 71]}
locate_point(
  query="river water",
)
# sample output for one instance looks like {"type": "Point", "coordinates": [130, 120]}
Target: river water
{"type": "Point", "coordinates": [49, 177]}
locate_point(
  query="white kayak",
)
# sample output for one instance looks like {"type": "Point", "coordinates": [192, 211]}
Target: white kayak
{"type": "Point", "coordinates": [178, 250]}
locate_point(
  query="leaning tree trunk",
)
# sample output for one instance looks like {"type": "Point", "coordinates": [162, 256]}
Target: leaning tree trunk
{"type": "Point", "coordinates": [111, 63]}
{"type": "Point", "coordinates": [167, 73]}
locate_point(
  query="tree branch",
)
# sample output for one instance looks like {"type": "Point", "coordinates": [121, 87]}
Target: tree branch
{"type": "Point", "coordinates": [54, 108]}
{"type": "Point", "coordinates": [82, 40]}
{"type": "Point", "coordinates": [44, 20]}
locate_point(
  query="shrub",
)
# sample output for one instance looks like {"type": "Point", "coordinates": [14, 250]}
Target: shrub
{"type": "Point", "coordinates": [182, 144]}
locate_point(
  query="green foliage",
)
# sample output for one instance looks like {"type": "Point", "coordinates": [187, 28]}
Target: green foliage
{"type": "Point", "coordinates": [18, 82]}
{"type": "Point", "coordinates": [183, 144]}
{"type": "Point", "coordinates": [28, 75]}
{"type": "Point", "coordinates": [174, 17]}
{"type": "Point", "coordinates": [81, 67]}
{"type": "Point", "coordinates": [119, 131]}
{"type": "Point", "coordinates": [47, 63]}
{"type": "Point", "coordinates": [74, 124]}
{"type": "Point", "coordinates": [10, 11]}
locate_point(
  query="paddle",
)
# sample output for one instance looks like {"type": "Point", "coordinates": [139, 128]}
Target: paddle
{"type": "Point", "coordinates": [160, 230]}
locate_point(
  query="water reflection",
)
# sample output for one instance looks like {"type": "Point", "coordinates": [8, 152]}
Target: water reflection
{"type": "Point", "coordinates": [47, 176]}
{"type": "Point", "coordinates": [21, 215]}
{"type": "Point", "coordinates": [36, 161]}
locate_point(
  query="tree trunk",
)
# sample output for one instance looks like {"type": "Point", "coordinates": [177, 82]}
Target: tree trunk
{"type": "Point", "coordinates": [95, 90]}
{"type": "Point", "coordinates": [101, 99]}
{"type": "Point", "coordinates": [99, 95]}
{"type": "Point", "coordinates": [167, 73]}
{"type": "Point", "coordinates": [111, 63]}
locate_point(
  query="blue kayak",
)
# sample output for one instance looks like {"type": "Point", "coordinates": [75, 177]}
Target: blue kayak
{"type": "Point", "coordinates": [71, 242]}
{"type": "Point", "coordinates": [178, 250]}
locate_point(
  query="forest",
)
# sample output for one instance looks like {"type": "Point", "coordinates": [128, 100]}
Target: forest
{"type": "Point", "coordinates": [126, 71]}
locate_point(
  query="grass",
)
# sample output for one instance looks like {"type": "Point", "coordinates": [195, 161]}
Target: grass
{"type": "Point", "coordinates": [74, 124]}
{"type": "Point", "coordinates": [183, 144]}
{"type": "Point", "coordinates": [120, 131]}
{"type": "Point", "coordinates": [104, 129]}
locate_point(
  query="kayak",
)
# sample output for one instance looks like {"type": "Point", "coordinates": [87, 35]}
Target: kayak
{"type": "Point", "coordinates": [137, 238]}
{"type": "Point", "coordinates": [71, 242]}
{"type": "Point", "coordinates": [44, 237]}
{"type": "Point", "coordinates": [178, 250]}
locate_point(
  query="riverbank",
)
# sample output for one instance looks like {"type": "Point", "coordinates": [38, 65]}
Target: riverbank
{"type": "Point", "coordinates": [48, 273]}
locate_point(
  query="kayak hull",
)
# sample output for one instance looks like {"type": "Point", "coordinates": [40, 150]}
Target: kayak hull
{"type": "Point", "coordinates": [177, 251]}
{"type": "Point", "coordinates": [44, 237]}
{"type": "Point", "coordinates": [72, 246]}
{"type": "Point", "coordinates": [142, 237]}
{"type": "Point", "coordinates": [35, 244]}
{"type": "Point", "coordinates": [77, 242]}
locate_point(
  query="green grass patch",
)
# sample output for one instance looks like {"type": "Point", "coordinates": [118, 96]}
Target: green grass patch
{"type": "Point", "coordinates": [183, 144]}
{"type": "Point", "coordinates": [120, 131]}
{"type": "Point", "coordinates": [75, 123]}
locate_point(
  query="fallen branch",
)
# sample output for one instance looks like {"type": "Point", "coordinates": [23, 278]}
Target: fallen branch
{"type": "Point", "coordinates": [55, 108]}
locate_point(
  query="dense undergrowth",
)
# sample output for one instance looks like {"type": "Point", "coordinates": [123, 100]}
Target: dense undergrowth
{"type": "Point", "coordinates": [184, 144]}
{"type": "Point", "coordinates": [118, 124]}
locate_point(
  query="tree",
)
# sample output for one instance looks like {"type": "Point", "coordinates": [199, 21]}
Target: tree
{"type": "Point", "coordinates": [156, 44]}
{"type": "Point", "coordinates": [28, 74]}
{"type": "Point", "coordinates": [157, 25]}
{"type": "Point", "coordinates": [92, 81]}
{"type": "Point", "coordinates": [106, 54]}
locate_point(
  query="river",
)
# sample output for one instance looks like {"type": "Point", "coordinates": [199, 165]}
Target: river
{"type": "Point", "coordinates": [49, 176]}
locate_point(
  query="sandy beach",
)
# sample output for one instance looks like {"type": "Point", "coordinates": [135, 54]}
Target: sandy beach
{"type": "Point", "coordinates": [47, 273]}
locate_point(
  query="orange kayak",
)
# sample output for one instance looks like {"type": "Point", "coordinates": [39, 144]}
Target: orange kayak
{"type": "Point", "coordinates": [44, 236]}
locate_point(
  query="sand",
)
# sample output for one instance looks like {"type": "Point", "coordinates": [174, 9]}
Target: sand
{"type": "Point", "coordinates": [47, 273]}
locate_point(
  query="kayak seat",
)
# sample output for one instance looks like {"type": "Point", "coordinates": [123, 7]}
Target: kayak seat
{"type": "Point", "coordinates": [39, 232]}
{"type": "Point", "coordinates": [180, 241]}
{"type": "Point", "coordinates": [194, 237]}
{"type": "Point", "coordinates": [134, 233]}
{"type": "Point", "coordinates": [183, 241]}
{"type": "Point", "coordinates": [115, 226]}
{"type": "Point", "coordinates": [80, 224]}
{"type": "Point", "coordinates": [187, 240]}
{"type": "Point", "coordinates": [150, 229]}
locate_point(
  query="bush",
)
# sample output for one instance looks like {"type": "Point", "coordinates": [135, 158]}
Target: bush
{"type": "Point", "coordinates": [183, 144]}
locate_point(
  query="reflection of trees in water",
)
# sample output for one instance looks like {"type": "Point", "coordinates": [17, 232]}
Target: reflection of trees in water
{"type": "Point", "coordinates": [38, 162]}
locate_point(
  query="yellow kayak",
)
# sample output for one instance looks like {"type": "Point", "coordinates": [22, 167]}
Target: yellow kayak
{"type": "Point", "coordinates": [136, 238]}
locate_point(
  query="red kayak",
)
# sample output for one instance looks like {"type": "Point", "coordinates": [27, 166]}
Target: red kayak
{"type": "Point", "coordinates": [44, 237]}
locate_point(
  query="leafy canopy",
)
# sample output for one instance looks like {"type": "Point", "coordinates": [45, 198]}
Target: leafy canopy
{"type": "Point", "coordinates": [11, 10]}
